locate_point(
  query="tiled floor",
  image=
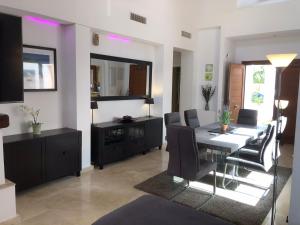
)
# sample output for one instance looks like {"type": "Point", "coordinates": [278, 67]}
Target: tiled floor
{"type": "Point", "coordinates": [81, 201]}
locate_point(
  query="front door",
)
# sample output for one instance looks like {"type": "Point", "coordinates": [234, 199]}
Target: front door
{"type": "Point", "coordinates": [236, 89]}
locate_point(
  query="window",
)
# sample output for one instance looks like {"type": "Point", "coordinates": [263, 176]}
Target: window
{"type": "Point", "coordinates": [247, 3]}
{"type": "Point", "coordinates": [260, 90]}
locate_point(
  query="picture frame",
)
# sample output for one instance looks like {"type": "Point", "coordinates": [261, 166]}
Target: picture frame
{"type": "Point", "coordinates": [209, 71]}
{"type": "Point", "coordinates": [39, 68]}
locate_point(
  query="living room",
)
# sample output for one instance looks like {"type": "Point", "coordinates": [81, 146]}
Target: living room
{"type": "Point", "coordinates": [204, 32]}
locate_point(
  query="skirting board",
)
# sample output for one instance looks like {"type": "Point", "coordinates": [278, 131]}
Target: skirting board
{"type": "Point", "coordinates": [8, 201]}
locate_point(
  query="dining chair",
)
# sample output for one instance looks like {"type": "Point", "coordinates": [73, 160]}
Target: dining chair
{"type": "Point", "coordinates": [191, 118]}
{"type": "Point", "coordinates": [257, 160]}
{"type": "Point", "coordinates": [256, 145]}
{"type": "Point", "coordinates": [247, 117]}
{"type": "Point", "coordinates": [184, 161]}
{"type": "Point", "coordinates": [172, 118]}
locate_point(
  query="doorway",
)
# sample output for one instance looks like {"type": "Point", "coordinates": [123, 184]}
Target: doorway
{"type": "Point", "coordinates": [259, 90]}
{"type": "Point", "coordinates": [176, 81]}
{"type": "Point", "coordinates": [256, 90]}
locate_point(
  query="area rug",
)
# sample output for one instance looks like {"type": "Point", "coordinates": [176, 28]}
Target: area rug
{"type": "Point", "coordinates": [240, 203]}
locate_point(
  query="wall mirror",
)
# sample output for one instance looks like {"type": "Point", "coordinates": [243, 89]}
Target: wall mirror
{"type": "Point", "coordinates": [115, 78]}
{"type": "Point", "coordinates": [39, 68]}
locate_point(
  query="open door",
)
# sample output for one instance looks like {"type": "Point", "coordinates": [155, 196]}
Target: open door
{"type": "Point", "coordinates": [236, 82]}
{"type": "Point", "coordinates": [289, 92]}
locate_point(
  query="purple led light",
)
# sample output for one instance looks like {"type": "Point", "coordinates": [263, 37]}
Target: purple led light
{"type": "Point", "coordinates": [43, 21]}
{"type": "Point", "coordinates": [117, 38]}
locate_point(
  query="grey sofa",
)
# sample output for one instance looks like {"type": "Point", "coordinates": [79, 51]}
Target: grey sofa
{"type": "Point", "coordinates": [152, 210]}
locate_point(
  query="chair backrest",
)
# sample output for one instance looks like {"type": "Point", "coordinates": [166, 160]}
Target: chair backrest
{"type": "Point", "coordinates": [266, 154]}
{"type": "Point", "coordinates": [183, 152]}
{"type": "Point", "coordinates": [247, 117]}
{"type": "Point", "coordinates": [191, 118]}
{"type": "Point", "coordinates": [172, 119]}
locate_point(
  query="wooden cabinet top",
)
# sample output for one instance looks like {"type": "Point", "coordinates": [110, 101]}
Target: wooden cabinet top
{"type": "Point", "coordinates": [30, 136]}
{"type": "Point", "coordinates": [120, 124]}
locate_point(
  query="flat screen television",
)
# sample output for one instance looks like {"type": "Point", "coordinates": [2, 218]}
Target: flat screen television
{"type": "Point", "coordinates": [11, 66]}
{"type": "Point", "coordinates": [115, 78]}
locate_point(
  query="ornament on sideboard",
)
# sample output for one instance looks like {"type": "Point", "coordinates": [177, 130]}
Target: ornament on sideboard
{"type": "Point", "coordinates": [96, 39]}
{"type": "Point", "coordinates": [35, 124]}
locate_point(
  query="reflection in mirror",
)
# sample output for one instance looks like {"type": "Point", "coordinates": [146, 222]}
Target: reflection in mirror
{"type": "Point", "coordinates": [114, 77]}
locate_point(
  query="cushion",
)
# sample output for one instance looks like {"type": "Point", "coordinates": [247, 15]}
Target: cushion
{"type": "Point", "coordinates": [152, 210]}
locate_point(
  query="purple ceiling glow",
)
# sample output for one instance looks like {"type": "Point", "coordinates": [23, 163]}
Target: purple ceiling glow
{"type": "Point", "coordinates": [39, 20]}
{"type": "Point", "coordinates": [118, 38]}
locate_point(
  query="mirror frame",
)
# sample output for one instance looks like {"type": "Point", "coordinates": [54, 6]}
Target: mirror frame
{"type": "Point", "coordinates": [125, 60]}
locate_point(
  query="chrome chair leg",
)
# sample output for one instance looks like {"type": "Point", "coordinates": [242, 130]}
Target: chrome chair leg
{"type": "Point", "coordinates": [224, 175]}
{"type": "Point", "coordinates": [215, 182]}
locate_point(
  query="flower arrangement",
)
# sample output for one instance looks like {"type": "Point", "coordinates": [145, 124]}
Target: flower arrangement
{"type": "Point", "coordinates": [36, 125]}
{"type": "Point", "coordinates": [208, 91]}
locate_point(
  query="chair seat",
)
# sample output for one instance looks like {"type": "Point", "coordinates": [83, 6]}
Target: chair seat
{"type": "Point", "coordinates": [248, 151]}
{"type": "Point", "coordinates": [205, 167]}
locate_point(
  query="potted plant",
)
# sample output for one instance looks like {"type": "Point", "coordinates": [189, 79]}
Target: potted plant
{"type": "Point", "coordinates": [208, 91]}
{"type": "Point", "coordinates": [35, 124]}
{"type": "Point", "coordinates": [225, 120]}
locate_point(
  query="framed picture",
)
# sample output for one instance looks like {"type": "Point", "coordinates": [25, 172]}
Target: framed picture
{"type": "Point", "coordinates": [39, 68]}
{"type": "Point", "coordinates": [209, 70]}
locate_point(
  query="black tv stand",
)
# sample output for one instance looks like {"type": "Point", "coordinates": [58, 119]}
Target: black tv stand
{"type": "Point", "coordinates": [114, 141]}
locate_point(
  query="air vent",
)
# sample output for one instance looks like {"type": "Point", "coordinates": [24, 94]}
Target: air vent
{"type": "Point", "coordinates": [138, 18]}
{"type": "Point", "coordinates": [186, 34]}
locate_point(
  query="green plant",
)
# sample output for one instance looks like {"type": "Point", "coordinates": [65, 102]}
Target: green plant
{"type": "Point", "coordinates": [32, 112]}
{"type": "Point", "coordinates": [225, 117]}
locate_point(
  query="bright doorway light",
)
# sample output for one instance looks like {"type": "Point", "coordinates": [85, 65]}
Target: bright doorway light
{"type": "Point", "coordinates": [260, 90]}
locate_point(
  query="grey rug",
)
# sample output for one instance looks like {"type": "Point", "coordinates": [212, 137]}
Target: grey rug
{"type": "Point", "coordinates": [239, 203]}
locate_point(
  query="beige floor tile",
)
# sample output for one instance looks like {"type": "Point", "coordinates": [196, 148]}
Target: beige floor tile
{"type": "Point", "coordinates": [81, 201]}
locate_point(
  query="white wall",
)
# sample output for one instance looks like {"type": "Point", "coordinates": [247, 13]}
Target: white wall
{"type": "Point", "coordinates": [209, 53]}
{"type": "Point", "coordinates": [165, 19]}
{"type": "Point", "coordinates": [48, 102]}
{"type": "Point", "coordinates": [258, 48]}
{"type": "Point", "coordinates": [177, 59]}
{"type": "Point", "coordinates": [186, 82]}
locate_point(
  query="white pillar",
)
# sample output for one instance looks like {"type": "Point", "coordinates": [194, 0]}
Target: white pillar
{"type": "Point", "coordinates": [2, 174]}
{"type": "Point", "coordinates": [7, 191]}
{"type": "Point", "coordinates": [76, 69]}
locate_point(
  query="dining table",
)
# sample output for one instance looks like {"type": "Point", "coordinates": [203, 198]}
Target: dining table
{"type": "Point", "coordinates": [238, 135]}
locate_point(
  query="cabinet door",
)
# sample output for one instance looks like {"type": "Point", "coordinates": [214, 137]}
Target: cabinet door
{"type": "Point", "coordinates": [62, 155]}
{"type": "Point", "coordinates": [24, 163]}
{"type": "Point", "coordinates": [135, 140]}
{"type": "Point", "coordinates": [153, 133]}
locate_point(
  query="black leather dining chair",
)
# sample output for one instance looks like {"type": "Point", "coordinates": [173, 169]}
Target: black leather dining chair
{"type": "Point", "coordinates": [184, 158]}
{"type": "Point", "coordinates": [247, 117]}
{"type": "Point", "coordinates": [191, 118]}
{"type": "Point", "coordinates": [172, 118]}
{"type": "Point", "coordinates": [256, 144]}
{"type": "Point", "coordinates": [260, 159]}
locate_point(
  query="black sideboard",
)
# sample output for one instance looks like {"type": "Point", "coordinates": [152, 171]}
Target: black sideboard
{"type": "Point", "coordinates": [114, 141]}
{"type": "Point", "coordinates": [32, 160]}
